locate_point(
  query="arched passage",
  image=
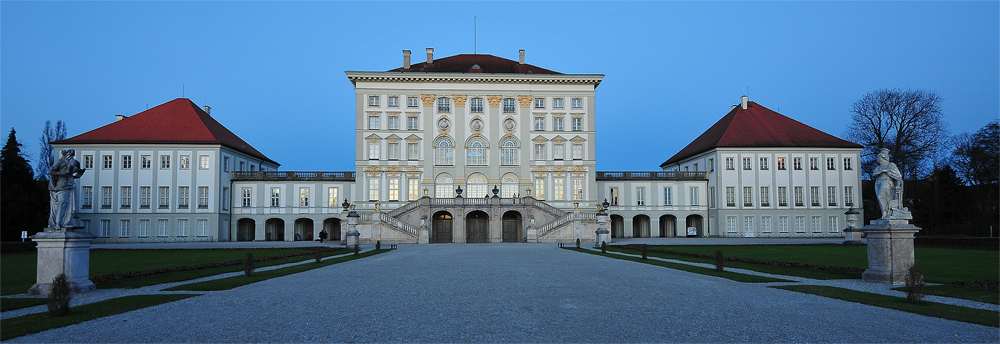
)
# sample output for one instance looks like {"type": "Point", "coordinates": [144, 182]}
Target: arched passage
{"type": "Point", "coordinates": [303, 229]}
{"type": "Point", "coordinates": [245, 229]}
{"type": "Point", "coordinates": [617, 226]}
{"type": "Point", "coordinates": [332, 228]}
{"type": "Point", "coordinates": [668, 226]}
{"type": "Point", "coordinates": [477, 227]}
{"type": "Point", "coordinates": [442, 227]}
{"type": "Point", "coordinates": [640, 226]}
{"type": "Point", "coordinates": [511, 226]}
{"type": "Point", "coordinates": [696, 222]}
{"type": "Point", "coordinates": [274, 230]}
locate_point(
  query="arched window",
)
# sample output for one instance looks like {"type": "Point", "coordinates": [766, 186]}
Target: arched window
{"type": "Point", "coordinates": [509, 148]}
{"type": "Point", "coordinates": [443, 186]}
{"type": "Point", "coordinates": [508, 185]}
{"type": "Point", "coordinates": [476, 151]}
{"type": "Point", "coordinates": [477, 186]}
{"type": "Point", "coordinates": [444, 151]}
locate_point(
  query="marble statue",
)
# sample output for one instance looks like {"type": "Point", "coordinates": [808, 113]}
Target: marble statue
{"type": "Point", "coordinates": [889, 188]}
{"type": "Point", "coordinates": [61, 190]}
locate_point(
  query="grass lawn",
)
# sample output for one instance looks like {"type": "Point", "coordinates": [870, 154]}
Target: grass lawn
{"type": "Point", "coordinates": [735, 276]}
{"type": "Point", "coordinates": [38, 322]}
{"type": "Point", "coordinates": [9, 304]}
{"type": "Point", "coordinates": [933, 309]}
{"type": "Point", "coordinates": [777, 270]}
{"type": "Point", "coordinates": [237, 281]}
{"type": "Point", "coordinates": [17, 271]}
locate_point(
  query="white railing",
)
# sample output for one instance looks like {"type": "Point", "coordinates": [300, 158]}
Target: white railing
{"type": "Point", "coordinates": [442, 201]}
{"type": "Point", "coordinates": [477, 201]}
{"type": "Point", "coordinates": [398, 225]}
{"type": "Point", "coordinates": [546, 207]}
{"type": "Point", "coordinates": [404, 209]}
{"type": "Point", "coordinates": [549, 227]}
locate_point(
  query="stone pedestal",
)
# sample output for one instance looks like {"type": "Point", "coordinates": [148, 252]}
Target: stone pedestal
{"type": "Point", "coordinates": [63, 252]}
{"type": "Point", "coordinates": [853, 236]}
{"type": "Point", "coordinates": [890, 250]}
{"type": "Point", "coordinates": [531, 235]}
{"type": "Point", "coordinates": [423, 235]}
{"type": "Point", "coordinates": [353, 235]}
{"type": "Point", "coordinates": [602, 232]}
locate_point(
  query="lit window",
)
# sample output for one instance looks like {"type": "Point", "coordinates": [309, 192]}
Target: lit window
{"type": "Point", "coordinates": [781, 164]}
{"type": "Point", "coordinates": [275, 197]}
{"type": "Point", "coordinates": [509, 105]}
{"type": "Point", "coordinates": [559, 188]}
{"type": "Point", "coordinates": [540, 188]}
{"type": "Point", "coordinates": [374, 100]}
{"type": "Point", "coordinates": [183, 197]}
{"type": "Point", "coordinates": [557, 103]}
{"type": "Point", "coordinates": [331, 197]}
{"type": "Point", "coordinates": [577, 103]}
{"type": "Point", "coordinates": [393, 101]}
{"type": "Point", "coordinates": [476, 105]}
{"type": "Point", "coordinates": [373, 189]}
{"type": "Point", "coordinates": [444, 105]}
{"type": "Point", "coordinates": [539, 103]}
{"type": "Point", "coordinates": [107, 162]}
{"type": "Point", "coordinates": [126, 197]}
{"type": "Point", "coordinates": [393, 189]}
{"type": "Point", "coordinates": [444, 151]}
{"type": "Point", "coordinates": [303, 197]}
{"type": "Point", "coordinates": [126, 162]}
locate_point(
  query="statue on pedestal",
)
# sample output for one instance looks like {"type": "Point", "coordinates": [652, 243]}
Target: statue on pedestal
{"type": "Point", "coordinates": [62, 188]}
{"type": "Point", "coordinates": [889, 188]}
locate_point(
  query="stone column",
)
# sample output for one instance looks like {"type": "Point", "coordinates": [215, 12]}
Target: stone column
{"type": "Point", "coordinates": [602, 232]}
{"type": "Point", "coordinates": [890, 250]}
{"type": "Point", "coordinates": [352, 229]}
{"type": "Point", "coordinates": [65, 252]}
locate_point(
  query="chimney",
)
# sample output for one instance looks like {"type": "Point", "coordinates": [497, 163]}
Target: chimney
{"type": "Point", "coordinates": [732, 107]}
{"type": "Point", "coordinates": [430, 55]}
{"type": "Point", "coordinates": [743, 102]}
{"type": "Point", "coordinates": [120, 117]}
{"type": "Point", "coordinates": [406, 59]}
{"type": "Point", "coordinates": [521, 54]}
{"type": "Point", "coordinates": [208, 109]}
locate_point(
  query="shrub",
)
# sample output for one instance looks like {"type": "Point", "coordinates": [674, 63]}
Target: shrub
{"type": "Point", "coordinates": [914, 284]}
{"type": "Point", "coordinates": [59, 296]}
{"type": "Point", "coordinates": [319, 255]}
{"type": "Point", "coordinates": [645, 251]}
{"type": "Point", "coordinates": [248, 265]}
{"type": "Point", "coordinates": [357, 249]}
{"type": "Point", "coordinates": [378, 244]}
{"type": "Point", "coordinates": [720, 261]}
{"type": "Point", "coordinates": [577, 242]}
{"type": "Point", "coordinates": [604, 247]}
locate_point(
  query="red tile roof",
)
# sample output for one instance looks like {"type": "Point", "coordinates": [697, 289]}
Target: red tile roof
{"type": "Point", "coordinates": [178, 121]}
{"type": "Point", "coordinates": [758, 126]}
{"type": "Point", "coordinates": [463, 63]}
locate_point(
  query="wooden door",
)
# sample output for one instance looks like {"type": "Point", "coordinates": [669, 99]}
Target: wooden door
{"type": "Point", "coordinates": [477, 227]}
{"type": "Point", "coordinates": [442, 228]}
{"type": "Point", "coordinates": [511, 229]}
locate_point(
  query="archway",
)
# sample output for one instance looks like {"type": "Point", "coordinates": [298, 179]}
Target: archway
{"type": "Point", "coordinates": [303, 229]}
{"type": "Point", "coordinates": [668, 226]}
{"type": "Point", "coordinates": [640, 226]}
{"type": "Point", "coordinates": [442, 227]}
{"type": "Point", "coordinates": [245, 229]}
{"type": "Point", "coordinates": [511, 226]}
{"type": "Point", "coordinates": [617, 226]}
{"type": "Point", "coordinates": [477, 227]}
{"type": "Point", "coordinates": [696, 222]}
{"type": "Point", "coordinates": [274, 230]}
{"type": "Point", "coordinates": [332, 228]}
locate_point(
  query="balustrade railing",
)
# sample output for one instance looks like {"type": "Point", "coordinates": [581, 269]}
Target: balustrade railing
{"type": "Point", "coordinates": [657, 175]}
{"type": "Point", "coordinates": [293, 175]}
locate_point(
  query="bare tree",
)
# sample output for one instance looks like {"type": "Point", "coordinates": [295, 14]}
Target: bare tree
{"type": "Point", "coordinates": [976, 158]}
{"type": "Point", "coordinates": [45, 142]}
{"type": "Point", "coordinates": [907, 122]}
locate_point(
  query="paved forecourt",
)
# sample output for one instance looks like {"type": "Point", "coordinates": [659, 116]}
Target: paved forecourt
{"type": "Point", "coordinates": [510, 293]}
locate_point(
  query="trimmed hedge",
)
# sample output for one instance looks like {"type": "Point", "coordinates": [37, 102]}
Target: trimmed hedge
{"type": "Point", "coordinates": [841, 269]}
{"type": "Point", "coordinates": [18, 247]}
{"type": "Point", "coordinates": [957, 242]}
{"type": "Point", "coordinates": [988, 284]}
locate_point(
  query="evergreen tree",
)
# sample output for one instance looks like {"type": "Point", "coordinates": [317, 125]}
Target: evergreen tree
{"type": "Point", "coordinates": [45, 155]}
{"type": "Point", "coordinates": [22, 208]}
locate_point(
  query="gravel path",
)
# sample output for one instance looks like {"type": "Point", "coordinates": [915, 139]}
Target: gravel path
{"type": "Point", "coordinates": [510, 293]}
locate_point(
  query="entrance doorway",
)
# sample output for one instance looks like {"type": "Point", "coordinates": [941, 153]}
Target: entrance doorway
{"type": "Point", "coordinates": [477, 227]}
{"type": "Point", "coordinates": [274, 230]}
{"type": "Point", "coordinates": [442, 227]}
{"type": "Point", "coordinates": [617, 226]}
{"type": "Point", "coordinates": [640, 226]}
{"type": "Point", "coordinates": [245, 230]}
{"type": "Point", "coordinates": [511, 227]}
{"type": "Point", "coordinates": [332, 228]}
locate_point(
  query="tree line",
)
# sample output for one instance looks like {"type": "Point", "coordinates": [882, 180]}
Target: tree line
{"type": "Point", "coordinates": [24, 194]}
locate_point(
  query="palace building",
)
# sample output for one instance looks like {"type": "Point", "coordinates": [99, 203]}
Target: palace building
{"type": "Point", "coordinates": [466, 148]}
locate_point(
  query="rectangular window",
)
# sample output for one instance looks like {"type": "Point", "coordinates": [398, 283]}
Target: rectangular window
{"type": "Point", "coordinates": [730, 196]}
{"type": "Point", "coordinates": [126, 162]}
{"type": "Point", "coordinates": [746, 164]}
{"type": "Point", "coordinates": [373, 122]}
{"type": "Point", "coordinates": [185, 162]}
{"type": "Point", "coordinates": [393, 123]}
{"type": "Point", "coordinates": [831, 196]}
{"type": "Point", "coordinates": [509, 156]}
{"type": "Point", "coordinates": [182, 227]}
{"type": "Point", "coordinates": [105, 228]}
{"type": "Point", "coordinates": [540, 188]}
{"type": "Point", "coordinates": [695, 167]}
{"type": "Point", "coordinates": [797, 164]}
{"type": "Point", "coordinates": [331, 197]}
{"type": "Point", "coordinates": [412, 102]}
{"type": "Point", "coordinates": [393, 101]}
{"type": "Point", "coordinates": [161, 228]}
{"type": "Point", "coordinates": [782, 196]}
{"type": "Point", "coordinates": [374, 100]}
{"type": "Point", "coordinates": [183, 197]}
{"type": "Point", "coordinates": [847, 164]}
{"type": "Point", "coordinates": [640, 196]}
{"type": "Point", "coordinates": [393, 189]}
{"type": "Point", "coordinates": [373, 189]}
{"type": "Point", "coordinates": [275, 197]}
{"type": "Point", "coordinates": [106, 197]}
{"type": "Point", "coordinates": [225, 198]}
{"type": "Point", "coordinates": [558, 188]}
{"type": "Point", "coordinates": [412, 123]}
{"type": "Point", "coordinates": [203, 162]}
{"type": "Point", "coordinates": [814, 164]}
{"type": "Point", "coordinates": [247, 198]}
{"type": "Point", "coordinates": [508, 105]}
{"type": "Point", "coordinates": [577, 124]}
{"type": "Point", "coordinates": [143, 229]}
{"type": "Point", "coordinates": [144, 197]}
{"type": "Point", "coordinates": [781, 164]}
{"type": "Point", "coordinates": [88, 197]}
{"type": "Point", "coordinates": [834, 224]}
{"type": "Point", "coordinates": [800, 224]}
{"type": "Point", "coordinates": [123, 228]}
{"type": "Point", "coordinates": [412, 153]}
{"type": "Point", "coordinates": [107, 162]}
{"type": "Point", "coordinates": [694, 195]}
{"type": "Point", "coordinates": [798, 196]}
{"type": "Point", "coordinates": [444, 104]}
{"type": "Point", "coordinates": [748, 224]}
{"type": "Point", "coordinates": [202, 228]}
{"type": "Point", "coordinates": [393, 150]}
{"type": "Point", "coordinates": [783, 224]}
{"type": "Point", "coordinates": [730, 163]}
{"type": "Point", "coordinates": [539, 103]}
{"type": "Point", "coordinates": [577, 151]}
{"type": "Point", "coordinates": [557, 103]}
{"type": "Point", "coordinates": [711, 165]}
{"type": "Point", "coordinates": [476, 105]}
{"type": "Point", "coordinates": [849, 196]}
{"type": "Point", "coordinates": [225, 164]}
{"type": "Point", "coordinates": [126, 197]}
{"type": "Point", "coordinates": [614, 196]}
{"type": "Point", "coordinates": [814, 196]}
{"type": "Point", "coordinates": [242, 165]}
{"type": "Point", "coordinates": [747, 196]}
{"type": "Point", "coordinates": [711, 196]}
{"type": "Point", "coordinates": [817, 224]}
{"type": "Point", "coordinates": [539, 123]}
{"type": "Point", "coordinates": [765, 224]}
{"type": "Point", "coordinates": [731, 224]}
{"type": "Point", "coordinates": [763, 164]}
{"type": "Point", "coordinates": [577, 103]}
{"type": "Point", "coordinates": [202, 197]}
{"type": "Point", "coordinates": [765, 196]}
{"type": "Point", "coordinates": [508, 190]}
{"type": "Point", "coordinates": [413, 189]}
{"type": "Point", "coordinates": [373, 150]}
{"type": "Point", "coordinates": [557, 124]}
{"type": "Point", "coordinates": [303, 197]}
{"type": "Point", "coordinates": [145, 162]}
{"type": "Point", "coordinates": [831, 164]}
{"type": "Point", "coordinates": [558, 151]}
{"type": "Point", "coordinates": [539, 151]}
{"type": "Point", "coordinates": [668, 197]}
{"type": "Point", "coordinates": [88, 161]}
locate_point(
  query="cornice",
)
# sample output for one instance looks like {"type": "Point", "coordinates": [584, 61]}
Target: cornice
{"type": "Point", "coordinates": [592, 79]}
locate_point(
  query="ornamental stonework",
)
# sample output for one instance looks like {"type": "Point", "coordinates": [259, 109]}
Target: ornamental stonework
{"type": "Point", "coordinates": [494, 100]}
{"type": "Point", "coordinates": [459, 99]}
{"type": "Point", "coordinates": [373, 169]}
{"type": "Point", "coordinates": [413, 168]}
{"type": "Point", "coordinates": [524, 101]}
{"type": "Point", "coordinates": [394, 168]}
{"type": "Point", "coordinates": [539, 169]}
{"type": "Point", "coordinates": [427, 99]}
{"type": "Point", "coordinates": [578, 168]}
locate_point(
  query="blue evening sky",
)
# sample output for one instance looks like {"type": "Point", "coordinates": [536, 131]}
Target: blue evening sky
{"type": "Point", "coordinates": [273, 72]}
